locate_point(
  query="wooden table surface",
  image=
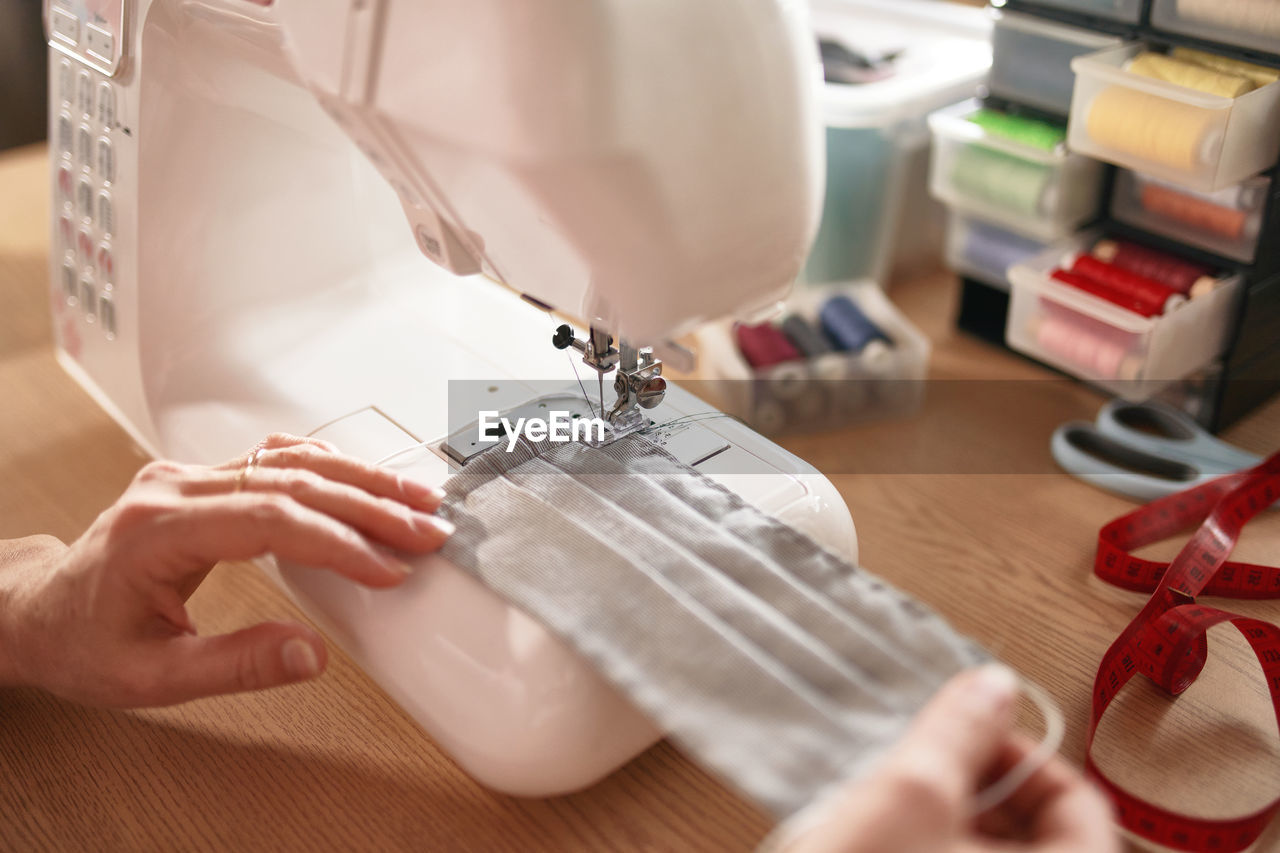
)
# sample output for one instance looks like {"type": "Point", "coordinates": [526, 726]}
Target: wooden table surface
{"type": "Point", "coordinates": [960, 505]}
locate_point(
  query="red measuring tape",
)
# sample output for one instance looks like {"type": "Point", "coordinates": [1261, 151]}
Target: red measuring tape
{"type": "Point", "coordinates": [1166, 642]}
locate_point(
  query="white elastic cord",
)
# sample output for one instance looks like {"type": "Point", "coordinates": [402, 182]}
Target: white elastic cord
{"type": "Point", "coordinates": [1054, 728]}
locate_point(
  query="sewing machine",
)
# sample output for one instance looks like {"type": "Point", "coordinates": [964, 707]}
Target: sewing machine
{"type": "Point", "coordinates": [319, 216]}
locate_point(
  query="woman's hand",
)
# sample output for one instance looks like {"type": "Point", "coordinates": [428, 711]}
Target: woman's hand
{"type": "Point", "coordinates": [104, 621]}
{"type": "Point", "coordinates": [922, 798]}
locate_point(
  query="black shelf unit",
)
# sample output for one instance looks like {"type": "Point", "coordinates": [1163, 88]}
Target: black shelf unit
{"type": "Point", "coordinates": [1250, 371]}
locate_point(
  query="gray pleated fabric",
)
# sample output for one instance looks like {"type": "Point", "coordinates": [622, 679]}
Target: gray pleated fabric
{"type": "Point", "coordinates": [769, 660]}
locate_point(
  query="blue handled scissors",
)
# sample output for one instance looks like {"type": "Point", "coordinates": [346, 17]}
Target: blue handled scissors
{"type": "Point", "coordinates": [1144, 451]}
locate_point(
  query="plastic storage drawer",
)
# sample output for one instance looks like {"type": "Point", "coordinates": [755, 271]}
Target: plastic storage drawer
{"type": "Point", "coordinates": [1127, 354]}
{"type": "Point", "coordinates": [831, 391]}
{"type": "Point", "coordinates": [1201, 141]}
{"type": "Point", "coordinates": [1226, 222]}
{"type": "Point", "coordinates": [1033, 56]}
{"type": "Point", "coordinates": [985, 252]}
{"type": "Point", "coordinates": [1253, 24]}
{"type": "Point", "coordinates": [1044, 194]}
{"type": "Point", "coordinates": [1129, 11]}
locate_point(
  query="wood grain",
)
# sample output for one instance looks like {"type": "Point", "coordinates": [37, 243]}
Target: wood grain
{"type": "Point", "coordinates": [335, 764]}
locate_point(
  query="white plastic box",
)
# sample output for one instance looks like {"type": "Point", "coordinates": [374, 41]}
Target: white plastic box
{"type": "Point", "coordinates": [984, 251]}
{"type": "Point", "coordinates": [1129, 11]}
{"type": "Point", "coordinates": [1125, 353]}
{"type": "Point", "coordinates": [1202, 141]}
{"type": "Point", "coordinates": [1246, 24]}
{"type": "Point", "coordinates": [878, 212]}
{"type": "Point", "coordinates": [831, 391]}
{"type": "Point", "coordinates": [1227, 222]}
{"type": "Point", "coordinates": [1045, 195]}
{"type": "Point", "coordinates": [1033, 59]}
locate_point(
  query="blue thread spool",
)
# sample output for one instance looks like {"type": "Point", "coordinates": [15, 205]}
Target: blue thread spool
{"type": "Point", "coordinates": [850, 330]}
{"type": "Point", "coordinates": [993, 250]}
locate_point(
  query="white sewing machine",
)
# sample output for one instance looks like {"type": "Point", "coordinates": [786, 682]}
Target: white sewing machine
{"type": "Point", "coordinates": [232, 181]}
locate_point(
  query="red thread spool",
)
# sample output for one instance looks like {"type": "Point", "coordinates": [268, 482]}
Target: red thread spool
{"type": "Point", "coordinates": [1186, 277]}
{"type": "Point", "coordinates": [765, 345]}
{"type": "Point", "coordinates": [1195, 212]}
{"type": "Point", "coordinates": [1146, 296]}
{"type": "Point", "coordinates": [1143, 300]}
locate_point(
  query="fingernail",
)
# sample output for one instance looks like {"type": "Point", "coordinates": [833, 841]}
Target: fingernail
{"type": "Point", "coordinates": [993, 687]}
{"type": "Point", "coordinates": [397, 565]}
{"type": "Point", "coordinates": [432, 524]}
{"type": "Point", "coordinates": [300, 660]}
{"type": "Point", "coordinates": [444, 525]}
{"type": "Point", "coordinates": [422, 492]}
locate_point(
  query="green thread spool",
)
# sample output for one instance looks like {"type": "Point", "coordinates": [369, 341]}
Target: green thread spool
{"type": "Point", "coordinates": [1027, 131]}
{"type": "Point", "coordinates": [1003, 181]}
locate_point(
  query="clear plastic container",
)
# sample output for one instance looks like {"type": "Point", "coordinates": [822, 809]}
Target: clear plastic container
{"type": "Point", "coordinates": [1252, 24]}
{"type": "Point", "coordinates": [830, 391]}
{"type": "Point", "coordinates": [1044, 194]}
{"type": "Point", "coordinates": [1129, 11]}
{"type": "Point", "coordinates": [877, 209]}
{"type": "Point", "coordinates": [1125, 353]}
{"type": "Point", "coordinates": [985, 252]}
{"type": "Point", "coordinates": [1226, 222]}
{"type": "Point", "coordinates": [1201, 141]}
{"type": "Point", "coordinates": [1033, 56]}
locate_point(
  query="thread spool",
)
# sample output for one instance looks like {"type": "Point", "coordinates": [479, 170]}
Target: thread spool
{"type": "Point", "coordinates": [764, 345]}
{"type": "Point", "coordinates": [1189, 74]}
{"type": "Point", "coordinates": [1252, 16]}
{"type": "Point", "coordinates": [1074, 344]}
{"type": "Point", "coordinates": [1120, 286]}
{"type": "Point", "coordinates": [1247, 195]}
{"type": "Point", "coordinates": [806, 338]}
{"type": "Point", "coordinates": [994, 250]}
{"type": "Point", "coordinates": [824, 362]}
{"type": "Point", "coordinates": [1155, 129]}
{"type": "Point", "coordinates": [850, 330]}
{"type": "Point", "coordinates": [1016, 186]}
{"type": "Point", "coordinates": [1197, 213]}
{"type": "Point", "coordinates": [1098, 289]}
{"type": "Point", "coordinates": [1187, 277]}
{"type": "Point", "coordinates": [1026, 131]}
{"type": "Point", "coordinates": [1261, 75]}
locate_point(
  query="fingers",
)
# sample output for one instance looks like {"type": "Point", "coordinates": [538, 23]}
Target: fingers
{"type": "Point", "coordinates": [321, 458]}
{"type": "Point", "coordinates": [919, 798]}
{"type": "Point", "coordinates": [1063, 810]}
{"type": "Point", "coordinates": [266, 655]}
{"type": "Point", "coordinates": [202, 530]}
{"type": "Point", "coordinates": [340, 504]}
{"type": "Point", "coordinates": [960, 733]}
{"type": "Point", "coordinates": [1078, 817]}
{"type": "Point", "coordinates": [1057, 809]}
{"type": "Point", "coordinates": [383, 519]}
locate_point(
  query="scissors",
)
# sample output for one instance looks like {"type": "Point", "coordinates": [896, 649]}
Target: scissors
{"type": "Point", "coordinates": [1144, 451]}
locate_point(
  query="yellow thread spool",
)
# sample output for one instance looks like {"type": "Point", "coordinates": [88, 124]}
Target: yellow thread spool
{"type": "Point", "coordinates": [1260, 75]}
{"type": "Point", "coordinates": [1155, 129]}
{"type": "Point", "coordinates": [1189, 74]}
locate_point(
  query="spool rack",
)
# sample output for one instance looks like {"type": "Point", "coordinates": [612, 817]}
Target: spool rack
{"type": "Point", "coordinates": [1249, 371]}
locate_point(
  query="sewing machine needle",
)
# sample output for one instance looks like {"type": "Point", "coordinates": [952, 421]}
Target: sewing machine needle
{"type": "Point", "coordinates": [600, 376]}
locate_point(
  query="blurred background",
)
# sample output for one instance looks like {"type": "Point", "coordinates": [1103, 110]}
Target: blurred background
{"type": "Point", "coordinates": [22, 70]}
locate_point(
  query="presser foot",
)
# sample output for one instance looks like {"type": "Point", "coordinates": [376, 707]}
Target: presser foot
{"type": "Point", "coordinates": [638, 382]}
